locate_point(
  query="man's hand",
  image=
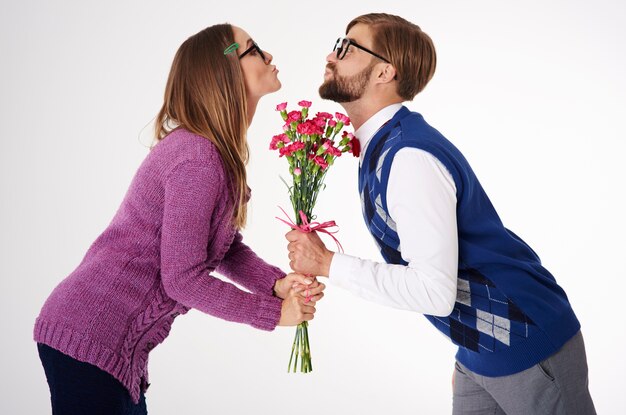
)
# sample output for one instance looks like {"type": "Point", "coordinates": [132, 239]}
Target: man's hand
{"type": "Point", "coordinates": [308, 254]}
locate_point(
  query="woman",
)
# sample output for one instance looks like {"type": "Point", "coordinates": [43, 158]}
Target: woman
{"type": "Point", "coordinates": [178, 222]}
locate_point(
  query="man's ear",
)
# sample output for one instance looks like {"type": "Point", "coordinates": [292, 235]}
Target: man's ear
{"type": "Point", "coordinates": [387, 74]}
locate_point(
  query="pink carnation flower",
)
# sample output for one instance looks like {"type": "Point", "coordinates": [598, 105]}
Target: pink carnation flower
{"type": "Point", "coordinates": [319, 121]}
{"type": "Point", "coordinates": [308, 128]}
{"type": "Point", "coordinates": [291, 148]}
{"type": "Point", "coordinates": [294, 116]}
{"type": "Point", "coordinates": [319, 160]}
{"type": "Point", "coordinates": [330, 149]}
{"type": "Point", "coordinates": [333, 151]}
{"type": "Point", "coordinates": [343, 118]}
{"type": "Point", "coordinates": [277, 139]}
{"type": "Point", "coordinates": [281, 107]}
{"type": "Point", "coordinates": [305, 104]}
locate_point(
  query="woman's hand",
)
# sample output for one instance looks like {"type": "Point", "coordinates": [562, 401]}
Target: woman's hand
{"type": "Point", "coordinates": [284, 285]}
{"type": "Point", "coordinates": [295, 309]}
{"type": "Point", "coordinates": [312, 292]}
{"type": "Point", "coordinates": [308, 287]}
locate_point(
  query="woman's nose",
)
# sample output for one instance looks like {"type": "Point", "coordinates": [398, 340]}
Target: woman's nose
{"type": "Point", "coordinates": [268, 57]}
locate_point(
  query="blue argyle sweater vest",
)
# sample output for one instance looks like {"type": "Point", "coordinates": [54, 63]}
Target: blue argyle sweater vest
{"type": "Point", "coordinates": [509, 313]}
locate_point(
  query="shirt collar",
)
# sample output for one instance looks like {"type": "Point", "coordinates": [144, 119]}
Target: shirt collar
{"type": "Point", "coordinates": [370, 127]}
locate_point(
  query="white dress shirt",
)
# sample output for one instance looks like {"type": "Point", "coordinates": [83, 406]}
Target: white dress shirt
{"type": "Point", "coordinates": [421, 198]}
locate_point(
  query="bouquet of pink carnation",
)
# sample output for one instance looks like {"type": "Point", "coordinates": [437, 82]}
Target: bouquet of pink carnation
{"type": "Point", "coordinates": [310, 149]}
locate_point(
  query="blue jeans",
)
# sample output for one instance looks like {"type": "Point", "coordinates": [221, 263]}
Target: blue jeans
{"type": "Point", "coordinates": [78, 388]}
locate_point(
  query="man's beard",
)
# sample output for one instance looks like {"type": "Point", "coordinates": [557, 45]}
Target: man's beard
{"type": "Point", "coordinates": [345, 88]}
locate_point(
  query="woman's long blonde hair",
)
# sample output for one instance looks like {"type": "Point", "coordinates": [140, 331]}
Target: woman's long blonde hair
{"type": "Point", "coordinates": [206, 95]}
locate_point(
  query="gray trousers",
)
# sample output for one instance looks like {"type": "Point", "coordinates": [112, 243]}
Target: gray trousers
{"type": "Point", "coordinates": [557, 385]}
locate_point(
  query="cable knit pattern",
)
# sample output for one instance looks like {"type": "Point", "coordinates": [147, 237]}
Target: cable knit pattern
{"type": "Point", "coordinates": [154, 262]}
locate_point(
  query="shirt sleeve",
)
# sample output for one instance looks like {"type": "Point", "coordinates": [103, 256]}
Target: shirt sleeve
{"type": "Point", "coordinates": [192, 191]}
{"type": "Point", "coordinates": [242, 265]}
{"type": "Point", "coordinates": [421, 198]}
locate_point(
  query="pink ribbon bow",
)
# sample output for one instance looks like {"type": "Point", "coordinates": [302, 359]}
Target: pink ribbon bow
{"type": "Point", "coordinates": [313, 226]}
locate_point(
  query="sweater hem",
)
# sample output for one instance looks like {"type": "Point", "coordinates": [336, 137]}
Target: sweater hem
{"type": "Point", "coordinates": [543, 344]}
{"type": "Point", "coordinates": [82, 348]}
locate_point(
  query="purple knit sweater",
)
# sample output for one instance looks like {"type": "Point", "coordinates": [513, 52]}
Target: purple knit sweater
{"type": "Point", "coordinates": [154, 262]}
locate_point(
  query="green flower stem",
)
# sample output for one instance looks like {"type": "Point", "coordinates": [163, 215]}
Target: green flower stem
{"type": "Point", "coordinates": [304, 193]}
{"type": "Point", "coordinates": [305, 326]}
{"type": "Point", "coordinates": [295, 363]}
{"type": "Point", "coordinates": [293, 349]}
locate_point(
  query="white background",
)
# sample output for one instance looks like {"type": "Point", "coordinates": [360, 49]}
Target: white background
{"type": "Point", "coordinates": [533, 93]}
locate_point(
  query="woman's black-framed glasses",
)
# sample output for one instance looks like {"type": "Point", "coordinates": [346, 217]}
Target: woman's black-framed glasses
{"type": "Point", "coordinates": [343, 43]}
{"type": "Point", "coordinates": [256, 48]}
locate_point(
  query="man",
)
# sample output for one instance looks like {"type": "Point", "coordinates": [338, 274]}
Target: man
{"type": "Point", "coordinates": [447, 253]}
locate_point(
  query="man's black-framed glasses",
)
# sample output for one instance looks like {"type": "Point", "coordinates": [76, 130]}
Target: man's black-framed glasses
{"type": "Point", "coordinates": [256, 48]}
{"type": "Point", "coordinates": [343, 43]}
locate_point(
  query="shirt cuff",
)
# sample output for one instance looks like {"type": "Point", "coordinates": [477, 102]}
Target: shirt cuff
{"type": "Point", "coordinates": [341, 269]}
